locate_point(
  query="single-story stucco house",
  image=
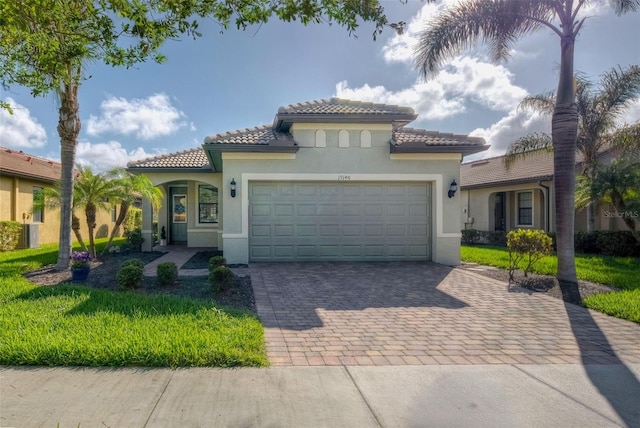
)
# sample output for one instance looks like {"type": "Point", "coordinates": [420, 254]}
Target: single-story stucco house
{"type": "Point", "coordinates": [331, 179]}
{"type": "Point", "coordinates": [22, 177]}
{"type": "Point", "coordinates": [497, 198]}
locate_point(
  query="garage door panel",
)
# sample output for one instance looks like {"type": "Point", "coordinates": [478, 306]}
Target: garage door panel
{"type": "Point", "coordinates": [343, 221]}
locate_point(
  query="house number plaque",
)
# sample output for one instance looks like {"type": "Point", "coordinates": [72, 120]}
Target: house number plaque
{"type": "Point", "coordinates": [344, 177]}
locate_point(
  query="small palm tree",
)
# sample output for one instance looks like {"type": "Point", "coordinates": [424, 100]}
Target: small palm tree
{"type": "Point", "coordinates": [598, 110]}
{"type": "Point", "coordinates": [499, 24]}
{"type": "Point", "coordinates": [50, 198]}
{"type": "Point", "coordinates": [128, 188]}
{"type": "Point", "coordinates": [93, 192]}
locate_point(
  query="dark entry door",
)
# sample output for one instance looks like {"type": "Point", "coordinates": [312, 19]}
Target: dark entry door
{"type": "Point", "coordinates": [499, 211]}
{"type": "Point", "coordinates": [179, 210]}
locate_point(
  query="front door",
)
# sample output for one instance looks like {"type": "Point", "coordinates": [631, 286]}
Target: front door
{"type": "Point", "coordinates": [179, 211]}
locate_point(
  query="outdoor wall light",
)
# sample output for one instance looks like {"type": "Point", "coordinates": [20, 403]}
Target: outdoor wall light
{"type": "Point", "coordinates": [452, 188]}
{"type": "Point", "coordinates": [233, 187]}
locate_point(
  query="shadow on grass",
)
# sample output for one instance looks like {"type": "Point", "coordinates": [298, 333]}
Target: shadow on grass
{"type": "Point", "coordinates": [127, 303]}
{"type": "Point", "coordinates": [620, 387]}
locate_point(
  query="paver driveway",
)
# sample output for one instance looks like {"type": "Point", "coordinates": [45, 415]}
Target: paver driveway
{"type": "Point", "coordinates": [424, 313]}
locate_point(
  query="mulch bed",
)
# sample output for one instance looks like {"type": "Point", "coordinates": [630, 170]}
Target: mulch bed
{"type": "Point", "coordinates": [538, 283]}
{"type": "Point", "coordinates": [103, 276]}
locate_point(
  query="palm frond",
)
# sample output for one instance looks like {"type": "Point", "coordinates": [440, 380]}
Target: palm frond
{"type": "Point", "coordinates": [525, 146]}
{"type": "Point", "coordinates": [497, 23]}
{"type": "Point", "coordinates": [624, 6]}
{"type": "Point", "coordinates": [541, 103]}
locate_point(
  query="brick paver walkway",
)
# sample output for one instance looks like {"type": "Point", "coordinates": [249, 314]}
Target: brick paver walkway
{"type": "Point", "coordinates": [424, 313]}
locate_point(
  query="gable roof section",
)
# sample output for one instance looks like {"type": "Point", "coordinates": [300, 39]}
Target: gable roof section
{"type": "Point", "coordinates": [411, 140]}
{"type": "Point", "coordinates": [192, 160]}
{"type": "Point", "coordinates": [20, 164]}
{"type": "Point", "coordinates": [339, 110]}
{"type": "Point", "coordinates": [262, 135]}
{"type": "Point", "coordinates": [492, 172]}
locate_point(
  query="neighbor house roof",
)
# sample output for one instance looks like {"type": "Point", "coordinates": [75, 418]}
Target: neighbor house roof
{"type": "Point", "coordinates": [191, 160]}
{"type": "Point", "coordinates": [411, 140]}
{"type": "Point", "coordinates": [342, 111]}
{"type": "Point", "coordinates": [492, 171]}
{"type": "Point", "coordinates": [20, 164]}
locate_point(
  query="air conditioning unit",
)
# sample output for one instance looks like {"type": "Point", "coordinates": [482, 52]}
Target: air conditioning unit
{"type": "Point", "coordinates": [30, 236]}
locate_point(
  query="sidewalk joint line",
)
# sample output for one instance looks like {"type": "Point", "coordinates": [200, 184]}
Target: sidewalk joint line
{"type": "Point", "coordinates": [373, 412]}
{"type": "Point", "coordinates": [155, 406]}
{"type": "Point", "coordinates": [575, 400]}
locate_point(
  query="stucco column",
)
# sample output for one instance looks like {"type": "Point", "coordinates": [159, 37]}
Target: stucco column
{"type": "Point", "coordinates": [147, 225]}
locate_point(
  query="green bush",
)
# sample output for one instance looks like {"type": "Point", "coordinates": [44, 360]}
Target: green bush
{"type": "Point", "coordinates": [216, 261]}
{"type": "Point", "coordinates": [167, 273]}
{"type": "Point", "coordinates": [134, 239]}
{"type": "Point", "coordinates": [220, 278]}
{"type": "Point", "coordinates": [129, 276]}
{"type": "Point", "coordinates": [9, 235]}
{"type": "Point", "coordinates": [132, 262]}
{"type": "Point", "coordinates": [619, 243]}
{"type": "Point", "coordinates": [526, 245]}
{"type": "Point", "coordinates": [133, 220]}
{"type": "Point", "coordinates": [470, 236]}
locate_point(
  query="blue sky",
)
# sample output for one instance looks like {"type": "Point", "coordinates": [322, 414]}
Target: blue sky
{"type": "Point", "coordinates": [235, 80]}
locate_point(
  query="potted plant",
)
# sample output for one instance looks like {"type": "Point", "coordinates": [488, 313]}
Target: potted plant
{"type": "Point", "coordinates": [80, 265]}
{"type": "Point", "coordinates": [163, 237]}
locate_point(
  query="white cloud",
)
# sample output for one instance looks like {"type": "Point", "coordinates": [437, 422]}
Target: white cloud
{"type": "Point", "coordinates": [145, 118]}
{"type": "Point", "coordinates": [631, 114]}
{"type": "Point", "coordinates": [465, 79]}
{"type": "Point", "coordinates": [514, 125]}
{"type": "Point", "coordinates": [105, 156]}
{"type": "Point", "coordinates": [20, 129]}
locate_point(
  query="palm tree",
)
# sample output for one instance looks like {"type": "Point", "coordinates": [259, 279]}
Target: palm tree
{"type": "Point", "coordinates": [499, 23]}
{"type": "Point", "coordinates": [93, 192]}
{"type": "Point", "coordinates": [598, 110]}
{"type": "Point", "coordinates": [128, 188]}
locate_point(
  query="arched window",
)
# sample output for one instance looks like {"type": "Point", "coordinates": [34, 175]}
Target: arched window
{"type": "Point", "coordinates": [321, 138]}
{"type": "Point", "coordinates": [343, 138]}
{"type": "Point", "coordinates": [365, 139]}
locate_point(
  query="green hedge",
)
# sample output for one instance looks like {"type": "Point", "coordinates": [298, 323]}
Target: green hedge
{"type": "Point", "coordinates": [9, 235]}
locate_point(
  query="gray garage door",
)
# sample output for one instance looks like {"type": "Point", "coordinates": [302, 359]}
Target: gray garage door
{"type": "Point", "coordinates": [305, 221]}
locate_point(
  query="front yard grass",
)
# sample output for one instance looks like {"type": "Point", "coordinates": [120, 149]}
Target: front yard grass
{"type": "Point", "coordinates": [619, 272]}
{"type": "Point", "coordinates": [70, 325]}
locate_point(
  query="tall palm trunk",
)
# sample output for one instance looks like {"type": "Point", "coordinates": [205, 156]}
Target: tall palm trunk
{"type": "Point", "coordinates": [75, 226]}
{"type": "Point", "coordinates": [68, 130]}
{"type": "Point", "coordinates": [564, 132]}
{"type": "Point", "coordinates": [124, 209]}
{"type": "Point", "coordinates": [90, 212]}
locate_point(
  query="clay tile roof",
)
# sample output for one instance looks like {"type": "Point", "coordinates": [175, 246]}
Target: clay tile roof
{"type": "Point", "coordinates": [491, 171]}
{"type": "Point", "coordinates": [259, 135]}
{"type": "Point", "coordinates": [16, 162]}
{"type": "Point", "coordinates": [192, 158]}
{"type": "Point", "coordinates": [412, 140]}
{"type": "Point", "coordinates": [343, 106]}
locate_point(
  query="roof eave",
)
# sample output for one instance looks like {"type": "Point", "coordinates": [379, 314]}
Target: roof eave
{"type": "Point", "coordinates": [9, 172]}
{"type": "Point", "coordinates": [283, 121]}
{"type": "Point", "coordinates": [425, 148]}
{"type": "Point", "coordinates": [507, 182]}
{"type": "Point", "coordinates": [249, 148]}
{"type": "Point", "coordinates": [142, 169]}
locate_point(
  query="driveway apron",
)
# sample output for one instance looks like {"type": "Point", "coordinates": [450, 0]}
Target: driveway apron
{"type": "Point", "coordinates": [401, 313]}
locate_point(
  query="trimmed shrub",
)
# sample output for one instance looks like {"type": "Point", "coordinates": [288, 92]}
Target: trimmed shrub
{"type": "Point", "coordinates": [129, 277]}
{"type": "Point", "coordinates": [216, 261]}
{"type": "Point", "coordinates": [528, 246]}
{"type": "Point", "coordinates": [167, 273]}
{"type": "Point", "coordinates": [220, 278]}
{"type": "Point", "coordinates": [9, 235]}
{"type": "Point", "coordinates": [132, 262]}
{"type": "Point", "coordinates": [133, 220]}
{"type": "Point", "coordinates": [134, 239]}
{"type": "Point", "coordinates": [470, 236]}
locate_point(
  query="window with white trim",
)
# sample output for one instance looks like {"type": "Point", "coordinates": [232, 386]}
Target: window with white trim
{"type": "Point", "coordinates": [38, 205]}
{"type": "Point", "coordinates": [525, 209]}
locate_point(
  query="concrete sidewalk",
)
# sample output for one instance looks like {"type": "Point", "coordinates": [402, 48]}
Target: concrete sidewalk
{"type": "Point", "coordinates": [348, 396]}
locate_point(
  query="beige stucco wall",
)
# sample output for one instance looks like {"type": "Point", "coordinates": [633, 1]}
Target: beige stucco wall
{"type": "Point", "coordinates": [16, 200]}
{"type": "Point", "coordinates": [334, 163]}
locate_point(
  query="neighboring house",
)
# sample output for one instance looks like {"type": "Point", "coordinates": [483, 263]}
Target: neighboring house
{"type": "Point", "coordinates": [328, 180]}
{"type": "Point", "coordinates": [22, 176]}
{"type": "Point", "coordinates": [495, 198]}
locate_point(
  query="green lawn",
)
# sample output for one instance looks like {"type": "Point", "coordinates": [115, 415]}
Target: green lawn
{"type": "Point", "coordinates": [81, 326]}
{"type": "Point", "coordinates": [620, 272]}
